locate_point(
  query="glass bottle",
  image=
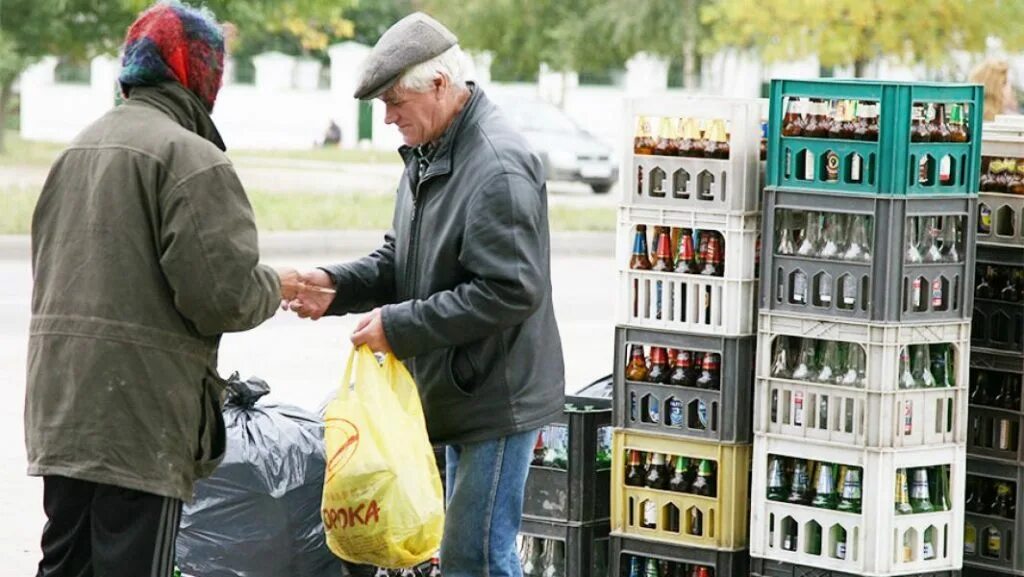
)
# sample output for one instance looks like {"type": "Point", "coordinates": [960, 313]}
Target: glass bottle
{"type": "Point", "coordinates": [825, 488]}
{"type": "Point", "coordinates": [777, 488]}
{"type": "Point", "coordinates": [680, 482]}
{"type": "Point", "coordinates": [640, 259]}
{"type": "Point", "coordinates": [806, 367]}
{"type": "Point", "coordinates": [684, 374]}
{"type": "Point", "coordinates": [809, 244]}
{"type": "Point", "coordinates": [710, 378]}
{"type": "Point", "coordinates": [938, 128]}
{"type": "Point", "coordinates": [643, 141]}
{"type": "Point", "coordinates": [903, 506]}
{"type": "Point", "coordinates": [800, 485]}
{"type": "Point", "coordinates": [1004, 504]}
{"type": "Point", "coordinates": [666, 145]}
{"type": "Point", "coordinates": [780, 364]}
{"type": "Point", "coordinates": [859, 247]}
{"type": "Point", "coordinates": [636, 371]}
{"type": "Point", "coordinates": [660, 371]}
{"type": "Point", "coordinates": [919, 131]}
{"type": "Point", "coordinates": [785, 246]}
{"type": "Point", "coordinates": [920, 498]}
{"type": "Point", "coordinates": [930, 243]}
{"type": "Point", "coordinates": [704, 485]}
{"type": "Point", "coordinates": [957, 133]}
{"type": "Point", "coordinates": [657, 475]}
{"type": "Point", "coordinates": [913, 252]}
{"type": "Point", "coordinates": [684, 254]}
{"type": "Point", "coordinates": [793, 122]}
{"type": "Point", "coordinates": [851, 498]}
{"type": "Point", "coordinates": [635, 471]}
{"type": "Point", "coordinates": [950, 239]}
{"type": "Point", "coordinates": [855, 373]}
{"type": "Point", "coordinates": [830, 248]}
{"type": "Point", "coordinates": [920, 367]}
{"type": "Point", "coordinates": [906, 377]}
{"type": "Point", "coordinates": [941, 359]}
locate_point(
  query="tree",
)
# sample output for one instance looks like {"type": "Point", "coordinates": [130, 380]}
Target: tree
{"type": "Point", "coordinates": [855, 32]}
{"type": "Point", "coordinates": [668, 28]}
{"type": "Point", "coordinates": [81, 29]}
{"type": "Point", "coordinates": [568, 35]}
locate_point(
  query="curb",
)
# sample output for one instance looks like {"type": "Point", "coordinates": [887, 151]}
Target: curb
{"type": "Point", "coordinates": [276, 245]}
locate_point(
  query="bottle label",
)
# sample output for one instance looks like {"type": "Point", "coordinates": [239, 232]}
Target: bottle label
{"type": "Point", "coordinates": [937, 294]}
{"type": "Point", "coordinates": [928, 551]}
{"type": "Point", "coordinates": [675, 413]}
{"type": "Point", "coordinates": [650, 514]}
{"type": "Point", "coordinates": [831, 167]}
{"type": "Point", "coordinates": [841, 550]}
{"type": "Point", "coordinates": [849, 292]}
{"type": "Point", "coordinates": [994, 543]}
{"type": "Point", "coordinates": [787, 542]}
{"type": "Point", "coordinates": [985, 219]}
{"type": "Point", "coordinates": [702, 414]}
{"type": "Point", "coordinates": [798, 409]}
{"type": "Point", "coordinates": [919, 488]}
{"type": "Point", "coordinates": [800, 288]}
{"type": "Point", "coordinates": [808, 165]}
{"type": "Point", "coordinates": [908, 418]}
{"type": "Point", "coordinates": [970, 538]}
{"type": "Point", "coordinates": [855, 168]}
{"type": "Point", "coordinates": [825, 293]}
{"type": "Point", "coordinates": [916, 297]}
{"type": "Point", "coordinates": [653, 413]}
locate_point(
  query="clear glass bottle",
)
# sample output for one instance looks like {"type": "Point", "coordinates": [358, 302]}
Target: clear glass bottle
{"type": "Point", "coordinates": [806, 366]}
{"type": "Point", "coordinates": [930, 245]}
{"type": "Point", "coordinates": [859, 247]}
{"type": "Point", "coordinates": [830, 248]}
{"type": "Point", "coordinates": [811, 241]}
{"type": "Point", "coordinates": [912, 255]}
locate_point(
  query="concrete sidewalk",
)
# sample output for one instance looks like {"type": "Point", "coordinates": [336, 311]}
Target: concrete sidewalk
{"type": "Point", "coordinates": [282, 245]}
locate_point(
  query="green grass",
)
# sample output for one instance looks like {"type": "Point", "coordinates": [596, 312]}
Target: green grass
{"type": "Point", "coordinates": [26, 153]}
{"type": "Point", "coordinates": [305, 211]}
{"type": "Point", "coordinates": [22, 152]}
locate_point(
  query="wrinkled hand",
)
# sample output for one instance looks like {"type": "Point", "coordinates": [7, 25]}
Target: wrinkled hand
{"type": "Point", "coordinates": [290, 282]}
{"type": "Point", "coordinates": [370, 332]}
{"type": "Point", "coordinates": [309, 304]}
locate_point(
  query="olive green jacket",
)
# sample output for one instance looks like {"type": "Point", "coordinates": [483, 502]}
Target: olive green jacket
{"type": "Point", "coordinates": [144, 252]}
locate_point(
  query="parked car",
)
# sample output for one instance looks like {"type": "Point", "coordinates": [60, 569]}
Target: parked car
{"type": "Point", "coordinates": [569, 152]}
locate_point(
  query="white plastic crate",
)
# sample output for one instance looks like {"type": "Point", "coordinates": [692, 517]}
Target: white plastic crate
{"type": "Point", "coordinates": [1003, 139]}
{"type": "Point", "coordinates": [882, 344]}
{"type": "Point", "coordinates": [855, 417]}
{"type": "Point", "coordinates": [875, 536]}
{"type": "Point", "coordinates": [690, 302]}
{"type": "Point", "coordinates": [732, 184]}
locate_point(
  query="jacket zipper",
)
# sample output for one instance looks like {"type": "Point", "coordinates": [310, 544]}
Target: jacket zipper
{"type": "Point", "coordinates": [413, 238]}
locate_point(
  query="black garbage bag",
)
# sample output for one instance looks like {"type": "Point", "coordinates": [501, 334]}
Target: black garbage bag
{"type": "Point", "coordinates": [258, 515]}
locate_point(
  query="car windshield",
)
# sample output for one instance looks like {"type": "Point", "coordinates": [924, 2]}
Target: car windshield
{"type": "Point", "coordinates": [536, 116]}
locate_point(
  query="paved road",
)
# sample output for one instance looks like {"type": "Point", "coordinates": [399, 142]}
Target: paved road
{"type": "Point", "coordinates": [301, 360]}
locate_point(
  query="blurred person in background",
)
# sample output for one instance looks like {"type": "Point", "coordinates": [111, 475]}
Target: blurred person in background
{"type": "Point", "coordinates": [994, 75]}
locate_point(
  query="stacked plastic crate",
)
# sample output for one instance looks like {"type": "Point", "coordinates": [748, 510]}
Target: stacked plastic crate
{"type": "Point", "coordinates": [564, 532]}
{"type": "Point", "coordinates": [995, 460]}
{"type": "Point", "coordinates": [862, 362]}
{"type": "Point", "coordinates": [684, 347]}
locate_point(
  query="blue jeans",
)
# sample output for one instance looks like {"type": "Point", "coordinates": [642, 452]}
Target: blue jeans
{"type": "Point", "coordinates": [485, 483]}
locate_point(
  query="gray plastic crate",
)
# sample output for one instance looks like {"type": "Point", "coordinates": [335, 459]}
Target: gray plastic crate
{"type": "Point", "coordinates": [986, 435]}
{"type": "Point", "coordinates": [723, 563]}
{"type": "Point", "coordinates": [1011, 560]}
{"type": "Point", "coordinates": [1006, 212]}
{"type": "Point", "coordinates": [586, 546]}
{"type": "Point", "coordinates": [998, 324]}
{"type": "Point", "coordinates": [729, 409]}
{"type": "Point", "coordinates": [580, 493]}
{"type": "Point", "coordinates": [884, 286]}
{"type": "Point", "coordinates": [768, 568]}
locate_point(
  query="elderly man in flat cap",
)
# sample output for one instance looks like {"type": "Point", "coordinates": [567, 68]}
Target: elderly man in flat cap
{"type": "Point", "coordinates": [144, 252]}
{"type": "Point", "coordinates": [461, 288]}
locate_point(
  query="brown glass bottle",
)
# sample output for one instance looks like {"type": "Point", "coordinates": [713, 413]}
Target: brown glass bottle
{"type": "Point", "coordinates": [684, 255]}
{"type": "Point", "coordinates": [710, 377]}
{"type": "Point", "coordinates": [957, 132]}
{"type": "Point", "coordinates": [816, 125]}
{"type": "Point", "coordinates": [634, 471]}
{"type": "Point", "coordinates": [938, 128]}
{"type": "Point", "coordinates": [663, 254]}
{"type": "Point", "coordinates": [657, 474]}
{"type": "Point", "coordinates": [640, 260]}
{"type": "Point", "coordinates": [919, 131]}
{"type": "Point", "coordinates": [666, 145]}
{"type": "Point", "coordinates": [660, 371]}
{"type": "Point", "coordinates": [713, 265]}
{"type": "Point", "coordinates": [643, 141]}
{"type": "Point", "coordinates": [636, 370]}
{"type": "Point", "coordinates": [683, 375]}
{"type": "Point", "coordinates": [793, 122]}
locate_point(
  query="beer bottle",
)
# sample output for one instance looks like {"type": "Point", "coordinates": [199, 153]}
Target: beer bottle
{"type": "Point", "coordinates": [980, 391]}
{"type": "Point", "coordinates": [949, 238]}
{"type": "Point", "coordinates": [1004, 504]}
{"type": "Point", "coordinates": [634, 472]}
{"type": "Point", "coordinates": [643, 142]}
{"type": "Point", "coordinates": [636, 371]}
{"type": "Point", "coordinates": [993, 543]}
{"type": "Point", "coordinates": [649, 519]}
{"type": "Point", "coordinates": [684, 255]}
{"type": "Point", "coordinates": [716, 145]}
{"type": "Point", "coordinates": [903, 506]}
{"type": "Point", "coordinates": [691, 143]}
{"type": "Point", "coordinates": [906, 377]}
{"type": "Point", "coordinates": [806, 367]}
{"type": "Point", "coordinates": [829, 371]}
{"type": "Point", "coordinates": [722, 150]}
{"type": "Point", "coordinates": [919, 131]}
{"type": "Point", "coordinates": [713, 260]}
{"type": "Point", "coordinates": [800, 485]}
{"type": "Point", "coordinates": [659, 372]}
{"type": "Point", "coordinates": [920, 498]}
{"type": "Point", "coordinates": [776, 479]}
{"type": "Point", "coordinates": [780, 364]}
{"type": "Point", "coordinates": [811, 238]}
{"type": "Point", "coordinates": [838, 119]}
{"type": "Point", "coordinates": [957, 133]}
{"type": "Point", "coordinates": [814, 126]}
{"type": "Point", "coordinates": [851, 497]}
{"type": "Point", "coordinates": [970, 539]}
{"type": "Point", "coordinates": [640, 260]}
{"type": "Point", "coordinates": [859, 248]}
{"type": "Point", "coordinates": [651, 568]}
{"type": "Point", "coordinates": [702, 249]}
{"type": "Point", "coordinates": [941, 363]}
{"type": "Point", "coordinates": [710, 378]}
{"type": "Point", "coordinates": [984, 289]}
{"type": "Point", "coordinates": [554, 558]}
{"type": "Point", "coordinates": [938, 129]}
{"type": "Point", "coordinates": [701, 571]}
{"type": "Point", "coordinates": [666, 145]}
{"type": "Point", "coordinates": [634, 566]}
{"type": "Point", "coordinates": [538, 449]}
{"type": "Point", "coordinates": [603, 457]}
{"type": "Point", "coordinates": [663, 254]}
{"type": "Point", "coordinates": [657, 477]}
{"type": "Point", "coordinates": [680, 481]}
{"type": "Point", "coordinates": [683, 375]}
{"type": "Point", "coordinates": [873, 123]}
{"type": "Point", "coordinates": [793, 122]}
{"type": "Point", "coordinates": [825, 488]}
{"type": "Point", "coordinates": [1009, 291]}
{"type": "Point", "coordinates": [919, 367]}
{"type": "Point", "coordinates": [705, 483]}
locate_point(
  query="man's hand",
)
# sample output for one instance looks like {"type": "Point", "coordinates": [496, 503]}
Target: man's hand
{"type": "Point", "coordinates": [309, 303]}
{"type": "Point", "coordinates": [370, 332]}
{"type": "Point", "coordinates": [290, 282]}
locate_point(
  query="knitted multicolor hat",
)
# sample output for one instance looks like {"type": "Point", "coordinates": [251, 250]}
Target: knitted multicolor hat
{"type": "Point", "coordinates": [172, 41]}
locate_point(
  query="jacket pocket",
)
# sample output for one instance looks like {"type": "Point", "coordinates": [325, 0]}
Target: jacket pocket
{"type": "Point", "coordinates": [470, 365]}
{"type": "Point", "coordinates": [212, 437]}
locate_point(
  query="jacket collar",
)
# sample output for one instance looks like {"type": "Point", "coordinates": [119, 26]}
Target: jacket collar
{"type": "Point", "coordinates": [182, 106]}
{"type": "Point", "coordinates": [440, 158]}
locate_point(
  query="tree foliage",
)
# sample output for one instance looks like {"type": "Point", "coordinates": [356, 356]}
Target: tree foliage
{"type": "Point", "coordinates": [854, 32]}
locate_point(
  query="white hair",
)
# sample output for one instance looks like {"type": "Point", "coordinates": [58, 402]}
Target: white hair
{"type": "Point", "coordinates": [452, 64]}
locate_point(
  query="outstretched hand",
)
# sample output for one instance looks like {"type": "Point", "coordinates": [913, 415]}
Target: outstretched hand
{"type": "Point", "coordinates": [314, 295]}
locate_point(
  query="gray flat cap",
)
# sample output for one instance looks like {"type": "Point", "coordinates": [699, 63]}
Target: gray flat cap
{"type": "Point", "coordinates": [410, 41]}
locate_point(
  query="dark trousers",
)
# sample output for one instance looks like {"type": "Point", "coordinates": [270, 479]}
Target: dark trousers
{"type": "Point", "coordinates": [95, 530]}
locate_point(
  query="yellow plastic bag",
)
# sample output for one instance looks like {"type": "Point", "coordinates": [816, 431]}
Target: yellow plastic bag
{"type": "Point", "coordinates": [383, 502]}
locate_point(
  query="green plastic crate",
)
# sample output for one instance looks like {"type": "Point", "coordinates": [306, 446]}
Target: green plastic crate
{"type": "Point", "coordinates": [890, 164]}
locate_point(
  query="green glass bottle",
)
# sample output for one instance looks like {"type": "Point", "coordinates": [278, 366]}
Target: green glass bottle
{"type": "Point", "coordinates": [851, 497]}
{"type": "Point", "coordinates": [825, 488]}
{"type": "Point", "coordinates": [776, 480]}
{"type": "Point", "coordinates": [902, 493]}
{"type": "Point", "coordinates": [920, 497]}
